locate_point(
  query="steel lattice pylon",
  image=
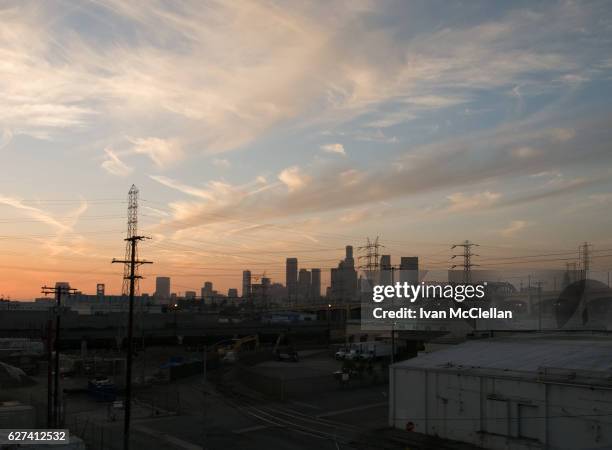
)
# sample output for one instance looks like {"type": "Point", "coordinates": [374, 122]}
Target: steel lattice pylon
{"type": "Point", "coordinates": [467, 256]}
{"type": "Point", "coordinates": [132, 230]}
{"type": "Point", "coordinates": [371, 257]}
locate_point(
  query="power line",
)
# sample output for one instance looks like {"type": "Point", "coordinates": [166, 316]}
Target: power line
{"type": "Point", "coordinates": [546, 260]}
{"type": "Point", "coordinates": [526, 256]}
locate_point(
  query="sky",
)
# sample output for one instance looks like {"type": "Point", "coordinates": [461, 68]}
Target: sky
{"type": "Point", "coordinates": [257, 131]}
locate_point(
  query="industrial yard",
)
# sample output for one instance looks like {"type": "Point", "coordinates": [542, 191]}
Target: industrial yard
{"type": "Point", "coordinates": [233, 405]}
{"type": "Point", "coordinates": [254, 399]}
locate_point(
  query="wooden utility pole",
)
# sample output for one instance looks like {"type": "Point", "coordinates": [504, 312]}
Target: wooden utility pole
{"type": "Point", "coordinates": [58, 290]}
{"type": "Point", "coordinates": [49, 373]}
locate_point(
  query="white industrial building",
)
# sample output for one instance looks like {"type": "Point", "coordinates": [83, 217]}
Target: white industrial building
{"type": "Point", "coordinates": [516, 392]}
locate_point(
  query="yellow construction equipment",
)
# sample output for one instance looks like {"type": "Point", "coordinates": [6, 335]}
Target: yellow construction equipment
{"type": "Point", "coordinates": [231, 351]}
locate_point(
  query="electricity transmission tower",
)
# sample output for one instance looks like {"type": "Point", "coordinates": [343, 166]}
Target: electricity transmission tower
{"type": "Point", "coordinates": [132, 231]}
{"type": "Point", "coordinates": [371, 258]}
{"type": "Point", "coordinates": [53, 393]}
{"type": "Point", "coordinates": [130, 279]}
{"type": "Point", "coordinates": [467, 259]}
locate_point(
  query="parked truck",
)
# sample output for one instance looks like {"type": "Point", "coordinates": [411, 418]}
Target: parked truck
{"type": "Point", "coordinates": [364, 351]}
{"type": "Point", "coordinates": [375, 350]}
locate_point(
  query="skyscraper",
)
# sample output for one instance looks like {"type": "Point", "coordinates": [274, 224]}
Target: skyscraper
{"type": "Point", "coordinates": [207, 290]}
{"type": "Point", "coordinates": [291, 278]}
{"type": "Point", "coordinates": [315, 276]}
{"type": "Point", "coordinates": [386, 271]}
{"type": "Point", "coordinates": [344, 279]}
{"type": "Point", "coordinates": [246, 283]}
{"type": "Point", "coordinates": [409, 269]}
{"type": "Point", "coordinates": [348, 260]}
{"type": "Point", "coordinates": [304, 285]}
{"type": "Point", "coordinates": [162, 288]}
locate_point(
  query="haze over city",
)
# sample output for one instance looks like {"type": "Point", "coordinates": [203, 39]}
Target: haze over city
{"type": "Point", "coordinates": [258, 131]}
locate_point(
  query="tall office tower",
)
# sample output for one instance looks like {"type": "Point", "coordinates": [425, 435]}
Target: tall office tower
{"type": "Point", "coordinates": [409, 269]}
{"type": "Point", "coordinates": [207, 290]}
{"type": "Point", "coordinates": [344, 279]}
{"type": "Point", "coordinates": [162, 288]}
{"type": "Point", "coordinates": [291, 278]}
{"type": "Point", "coordinates": [386, 270]}
{"type": "Point", "coordinates": [304, 282]}
{"type": "Point", "coordinates": [315, 282]}
{"type": "Point", "coordinates": [246, 283]}
{"type": "Point", "coordinates": [232, 292]}
{"type": "Point", "coordinates": [348, 260]}
{"type": "Point", "coordinates": [100, 289]}
{"type": "Point", "coordinates": [208, 287]}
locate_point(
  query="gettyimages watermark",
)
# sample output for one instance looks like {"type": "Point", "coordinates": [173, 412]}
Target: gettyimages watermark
{"type": "Point", "coordinates": [447, 301]}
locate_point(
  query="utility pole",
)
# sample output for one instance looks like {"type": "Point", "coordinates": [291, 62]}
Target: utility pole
{"type": "Point", "coordinates": [130, 277]}
{"type": "Point", "coordinates": [539, 286]}
{"type": "Point", "coordinates": [49, 373]}
{"type": "Point", "coordinates": [57, 290]}
{"type": "Point", "coordinates": [392, 342]}
{"type": "Point", "coordinates": [467, 256]}
{"type": "Point", "coordinates": [204, 393]}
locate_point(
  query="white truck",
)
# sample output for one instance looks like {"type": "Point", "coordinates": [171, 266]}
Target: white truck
{"type": "Point", "coordinates": [374, 350]}
{"type": "Point", "coordinates": [364, 350]}
{"type": "Point", "coordinates": [341, 353]}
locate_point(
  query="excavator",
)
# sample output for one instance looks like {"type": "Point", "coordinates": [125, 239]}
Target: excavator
{"type": "Point", "coordinates": [229, 353]}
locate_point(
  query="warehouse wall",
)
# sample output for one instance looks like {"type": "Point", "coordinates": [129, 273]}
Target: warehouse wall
{"type": "Point", "coordinates": [497, 412]}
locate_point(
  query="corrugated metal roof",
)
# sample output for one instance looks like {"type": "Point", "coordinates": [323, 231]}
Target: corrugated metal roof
{"type": "Point", "coordinates": [521, 353]}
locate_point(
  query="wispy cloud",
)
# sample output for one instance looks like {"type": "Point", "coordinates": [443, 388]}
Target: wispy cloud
{"type": "Point", "coordinates": [293, 178]}
{"type": "Point", "coordinates": [453, 165]}
{"type": "Point", "coordinates": [113, 165]}
{"type": "Point", "coordinates": [413, 107]}
{"type": "Point", "coordinates": [466, 112]}
{"type": "Point", "coordinates": [156, 211]}
{"type": "Point", "coordinates": [191, 70]}
{"type": "Point", "coordinates": [34, 213]}
{"type": "Point", "coordinates": [161, 151]}
{"type": "Point", "coordinates": [334, 148]}
{"type": "Point", "coordinates": [221, 163]}
{"type": "Point", "coordinates": [460, 202]}
{"type": "Point", "coordinates": [513, 228]}
{"type": "Point", "coordinates": [186, 189]}
{"type": "Point", "coordinates": [55, 243]}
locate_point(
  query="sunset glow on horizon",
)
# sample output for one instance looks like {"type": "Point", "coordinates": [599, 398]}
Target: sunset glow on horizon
{"type": "Point", "coordinates": [257, 131]}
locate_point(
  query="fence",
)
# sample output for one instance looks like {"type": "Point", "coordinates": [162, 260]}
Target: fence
{"type": "Point", "coordinates": [96, 436]}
